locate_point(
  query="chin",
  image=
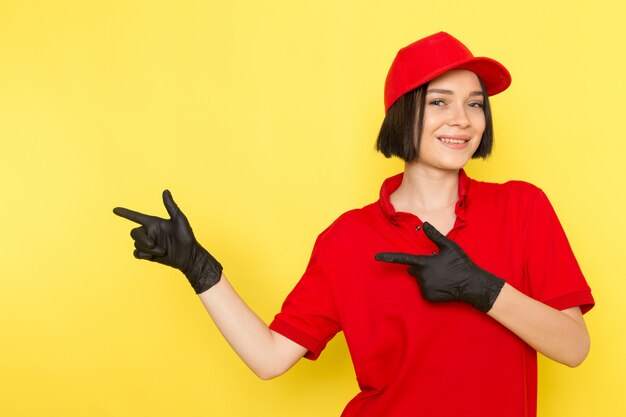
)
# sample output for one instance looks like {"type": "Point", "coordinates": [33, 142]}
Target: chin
{"type": "Point", "coordinates": [452, 164]}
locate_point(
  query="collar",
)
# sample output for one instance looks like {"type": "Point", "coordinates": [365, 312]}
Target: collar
{"type": "Point", "coordinates": [393, 183]}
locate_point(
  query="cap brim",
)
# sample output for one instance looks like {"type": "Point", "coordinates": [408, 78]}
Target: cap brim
{"type": "Point", "coordinates": [494, 75]}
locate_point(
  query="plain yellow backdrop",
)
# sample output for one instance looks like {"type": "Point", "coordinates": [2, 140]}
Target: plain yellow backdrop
{"type": "Point", "coordinates": [261, 118]}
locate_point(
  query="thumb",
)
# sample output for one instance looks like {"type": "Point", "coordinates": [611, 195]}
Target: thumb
{"type": "Point", "coordinates": [438, 239]}
{"type": "Point", "coordinates": [401, 258]}
{"type": "Point", "coordinates": [170, 205]}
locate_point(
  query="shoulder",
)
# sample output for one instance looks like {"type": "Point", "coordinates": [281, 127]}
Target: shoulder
{"type": "Point", "coordinates": [351, 224]}
{"type": "Point", "coordinates": [513, 186]}
{"type": "Point", "coordinates": [516, 192]}
{"type": "Point", "coordinates": [514, 202]}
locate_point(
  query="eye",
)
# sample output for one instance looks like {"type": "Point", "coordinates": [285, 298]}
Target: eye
{"type": "Point", "coordinates": [476, 104]}
{"type": "Point", "coordinates": [437, 102]}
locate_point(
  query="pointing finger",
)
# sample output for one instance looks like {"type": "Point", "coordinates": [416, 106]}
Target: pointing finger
{"type": "Point", "coordinates": [401, 258]}
{"type": "Point", "coordinates": [133, 216]}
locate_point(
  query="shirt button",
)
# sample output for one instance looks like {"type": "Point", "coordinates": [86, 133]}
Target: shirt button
{"type": "Point", "coordinates": [418, 228]}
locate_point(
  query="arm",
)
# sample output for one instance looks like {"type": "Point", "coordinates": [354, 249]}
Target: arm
{"type": "Point", "coordinates": [559, 335]}
{"type": "Point", "coordinates": [452, 276]}
{"type": "Point", "coordinates": [172, 242]}
{"type": "Point", "coordinates": [267, 353]}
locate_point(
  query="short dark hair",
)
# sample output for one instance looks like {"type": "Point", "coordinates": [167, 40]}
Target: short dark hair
{"type": "Point", "coordinates": [401, 131]}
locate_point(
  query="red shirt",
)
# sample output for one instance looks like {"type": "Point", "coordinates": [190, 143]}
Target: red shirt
{"type": "Point", "coordinates": [415, 358]}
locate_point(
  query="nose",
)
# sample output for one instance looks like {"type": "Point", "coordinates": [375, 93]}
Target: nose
{"type": "Point", "coordinates": [458, 116]}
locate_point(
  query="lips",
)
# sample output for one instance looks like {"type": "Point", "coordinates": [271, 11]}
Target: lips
{"type": "Point", "coordinates": [454, 139]}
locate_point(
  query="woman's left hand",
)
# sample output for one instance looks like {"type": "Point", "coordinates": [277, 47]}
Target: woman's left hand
{"type": "Point", "coordinates": [449, 275]}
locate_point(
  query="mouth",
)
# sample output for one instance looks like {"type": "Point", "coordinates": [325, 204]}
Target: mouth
{"type": "Point", "coordinates": [455, 140]}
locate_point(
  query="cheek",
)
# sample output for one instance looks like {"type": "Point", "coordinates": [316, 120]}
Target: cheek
{"type": "Point", "coordinates": [430, 125]}
{"type": "Point", "coordinates": [479, 123]}
{"type": "Point", "coordinates": [474, 146]}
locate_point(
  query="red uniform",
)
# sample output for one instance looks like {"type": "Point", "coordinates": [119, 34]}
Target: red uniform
{"type": "Point", "coordinates": [416, 358]}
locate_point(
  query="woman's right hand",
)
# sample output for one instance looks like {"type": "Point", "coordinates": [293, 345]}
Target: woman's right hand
{"type": "Point", "coordinates": [172, 242]}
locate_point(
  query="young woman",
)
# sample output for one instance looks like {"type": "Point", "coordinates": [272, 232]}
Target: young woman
{"type": "Point", "coordinates": [445, 288]}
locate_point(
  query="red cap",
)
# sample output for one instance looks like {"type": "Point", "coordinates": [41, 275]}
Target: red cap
{"type": "Point", "coordinates": [428, 58]}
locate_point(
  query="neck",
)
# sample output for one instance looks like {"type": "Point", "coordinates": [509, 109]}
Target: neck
{"type": "Point", "coordinates": [425, 189]}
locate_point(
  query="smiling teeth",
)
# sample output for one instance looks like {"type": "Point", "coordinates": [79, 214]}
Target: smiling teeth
{"type": "Point", "coordinates": [446, 140]}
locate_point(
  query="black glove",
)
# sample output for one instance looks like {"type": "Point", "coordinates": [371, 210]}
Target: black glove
{"type": "Point", "coordinates": [171, 242]}
{"type": "Point", "coordinates": [450, 275]}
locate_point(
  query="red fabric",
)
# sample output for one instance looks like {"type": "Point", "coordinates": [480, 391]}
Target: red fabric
{"type": "Point", "coordinates": [415, 358]}
{"type": "Point", "coordinates": [429, 57]}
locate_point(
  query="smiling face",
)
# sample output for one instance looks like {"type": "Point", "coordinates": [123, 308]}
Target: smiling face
{"type": "Point", "coordinates": [454, 120]}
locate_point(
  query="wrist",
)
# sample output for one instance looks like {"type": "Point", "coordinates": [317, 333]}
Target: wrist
{"type": "Point", "coordinates": [483, 290]}
{"type": "Point", "coordinates": [204, 272]}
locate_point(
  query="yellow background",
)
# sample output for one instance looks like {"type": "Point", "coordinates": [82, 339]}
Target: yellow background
{"type": "Point", "coordinates": [261, 118]}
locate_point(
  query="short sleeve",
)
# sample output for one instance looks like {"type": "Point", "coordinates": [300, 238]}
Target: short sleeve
{"type": "Point", "coordinates": [551, 268]}
{"type": "Point", "coordinates": [309, 315]}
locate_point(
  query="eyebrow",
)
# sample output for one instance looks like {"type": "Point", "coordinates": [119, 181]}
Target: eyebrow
{"type": "Point", "coordinates": [444, 91]}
